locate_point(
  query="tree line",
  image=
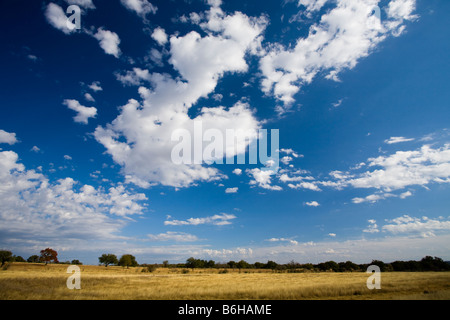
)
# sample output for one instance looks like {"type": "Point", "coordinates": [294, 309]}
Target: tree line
{"type": "Point", "coordinates": [427, 263]}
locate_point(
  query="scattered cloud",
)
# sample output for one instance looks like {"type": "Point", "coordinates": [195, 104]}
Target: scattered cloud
{"type": "Point", "coordinates": [293, 242]}
{"type": "Point", "coordinates": [423, 227]}
{"type": "Point", "coordinates": [140, 7]}
{"type": "Point", "coordinates": [231, 190]}
{"type": "Point", "coordinates": [109, 41]}
{"type": "Point", "coordinates": [95, 86]}
{"type": "Point", "coordinates": [7, 137]}
{"type": "Point", "coordinates": [83, 113]}
{"type": "Point", "coordinates": [173, 236]}
{"type": "Point", "coordinates": [217, 219]}
{"type": "Point", "coordinates": [56, 16]}
{"type": "Point", "coordinates": [393, 140]}
{"type": "Point", "coordinates": [237, 171]}
{"type": "Point", "coordinates": [89, 97]}
{"type": "Point", "coordinates": [144, 128]}
{"type": "Point", "coordinates": [87, 4]}
{"type": "Point", "coordinates": [343, 36]}
{"type": "Point", "coordinates": [312, 204]}
{"type": "Point", "coordinates": [32, 207]}
{"type": "Point", "coordinates": [372, 227]}
{"type": "Point", "coordinates": [263, 178]}
{"type": "Point", "coordinates": [160, 36]}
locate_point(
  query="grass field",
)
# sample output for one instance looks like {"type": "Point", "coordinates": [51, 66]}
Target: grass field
{"type": "Point", "coordinates": [37, 281]}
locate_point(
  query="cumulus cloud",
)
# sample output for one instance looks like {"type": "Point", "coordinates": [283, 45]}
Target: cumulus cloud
{"type": "Point", "coordinates": [83, 113]}
{"type": "Point", "coordinates": [424, 227]}
{"type": "Point", "coordinates": [32, 207]}
{"type": "Point", "coordinates": [406, 168]}
{"type": "Point", "coordinates": [237, 171]}
{"type": "Point", "coordinates": [312, 204]}
{"type": "Point", "coordinates": [140, 7]}
{"type": "Point", "coordinates": [95, 86]}
{"type": "Point", "coordinates": [263, 178]}
{"type": "Point", "coordinates": [231, 190]}
{"type": "Point", "coordinates": [87, 4]}
{"type": "Point", "coordinates": [8, 137]}
{"type": "Point", "coordinates": [343, 36]}
{"type": "Point", "coordinates": [56, 16]}
{"type": "Point", "coordinates": [144, 128]}
{"type": "Point", "coordinates": [159, 35]}
{"type": "Point", "coordinates": [372, 227]}
{"type": "Point", "coordinates": [109, 41]}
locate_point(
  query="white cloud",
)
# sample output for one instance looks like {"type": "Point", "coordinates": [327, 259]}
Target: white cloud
{"type": "Point", "coordinates": [32, 207]}
{"type": "Point", "coordinates": [87, 4]}
{"type": "Point", "coordinates": [338, 103]}
{"type": "Point", "coordinates": [343, 36]}
{"type": "Point", "coordinates": [7, 137]}
{"type": "Point", "coordinates": [217, 219]}
{"type": "Point", "coordinates": [160, 36]}
{"type": "Point", "coordinates": [263, 178]}
{"type": "Point", "coordinates": [83, 113]}
{"type": "Point", "coordinates": [332, 235]}
{"type": "Point", "coordinates": [35, 149]}
{"type": "Point", "coordinates": [293, 242]}
{"type": "Point", "coordinates": [373, 198]}
{"type": "Point", "coordinates": [372, 227]}
{"type": "Point", "coordinates": [140, 7]}
{"type": "Point", "coordinates": [406, 168]}
{"type": "Point", "coordinates": [95, 86]}
{"type": "Point", "coordinates": [291, 152]}
{"type": "Point", "coordinates": [393, 140]}
{"type": "Point", "coordinates": [109, 41]}
{"type": "Point", "coordinates": [423, 227]}
{"type": "Point", "coordinates": [134, 77]}
{"type": "Point", "coordinates": [231, 190]}
{"type": "Point", "coordinates": [286, 160]}
{"type": "Point", "coordinates": [67, 157]}
{"type": "Point", "coordinates": [56, 16]}
{"type": "Point", "coordinates": [312, 204]}
{"type": "Point", "coordinates": [173, 236]}
{"type": "Point", "coordinates": [305, 185]}
{"type": "Point", "coordinates": [143, 129]}
{"type": "Point", "coordinates": [312, 5]}
{"type": "Point", "coordinates": [89, 97]}
{"type": "Point", "coordinates": [237, 171]}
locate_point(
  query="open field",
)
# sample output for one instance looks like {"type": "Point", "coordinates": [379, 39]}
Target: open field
{"type": "Point", "coordinates": [37, 281]}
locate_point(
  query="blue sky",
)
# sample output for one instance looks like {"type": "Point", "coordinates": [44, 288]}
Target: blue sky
{"type": "Point", "coordinates": [361, 103]}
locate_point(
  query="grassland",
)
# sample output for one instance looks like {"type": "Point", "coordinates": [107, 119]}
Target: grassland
{"type": "Point", "coordinates": [36, 281]}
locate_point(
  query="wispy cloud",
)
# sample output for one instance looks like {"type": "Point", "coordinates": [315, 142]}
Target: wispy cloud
{"type": "Point", "coordinates": [217, 219]}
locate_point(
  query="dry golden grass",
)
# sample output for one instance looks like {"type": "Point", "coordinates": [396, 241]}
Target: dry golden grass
{"type": "Point", "coordinates": [36, 281]}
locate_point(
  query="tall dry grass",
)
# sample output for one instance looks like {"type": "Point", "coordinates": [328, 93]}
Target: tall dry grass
{"type": "Point", "coordinates": [35, 281]}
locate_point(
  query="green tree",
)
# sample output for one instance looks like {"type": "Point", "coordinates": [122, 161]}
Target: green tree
{"type": "Point", "coordinates": [107, 259]}
{"type": "Point", "coordinates": [242, 265]}
{"type": "Point", "coordinates": [18, 259]}
{"type": "Point", "coordinates": [127, 260]}
{"type": "Point", "coordinates": [34, 258]}
{"type": "Point", "coordinates": [48, 255]}
{"type": "Point", "coordinates": [75, 261]}
{"type": "Point", "coordinates": [271, 265]}
{"type": "Point", "coordinates": [5, 256]}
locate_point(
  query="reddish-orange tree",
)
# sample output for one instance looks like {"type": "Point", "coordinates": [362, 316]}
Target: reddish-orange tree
{"type": "Point", "coordinates": [48, 255]}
